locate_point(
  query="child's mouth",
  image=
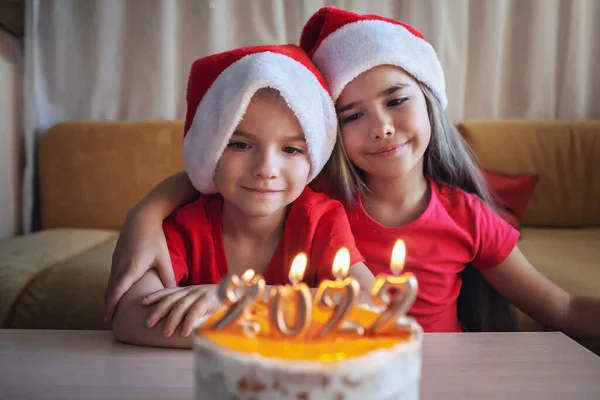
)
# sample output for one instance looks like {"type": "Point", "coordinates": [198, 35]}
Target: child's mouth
{"type": "Point", "coordinates": [389, 150]}
{"type": "Point", "coordinates": [262, 192]}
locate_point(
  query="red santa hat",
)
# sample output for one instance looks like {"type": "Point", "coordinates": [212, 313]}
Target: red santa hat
{"type": "Point", "coordinates": [220, 88]}
{"type": "Point", "coordinates": [344, 44]}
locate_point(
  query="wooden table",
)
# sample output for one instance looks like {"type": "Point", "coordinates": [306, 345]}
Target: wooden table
{"type": "Point", "coordinates": [36, 364]}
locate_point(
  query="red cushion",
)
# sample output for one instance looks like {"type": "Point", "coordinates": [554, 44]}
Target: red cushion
{"type": "Point", "coordinates": [512, 192]}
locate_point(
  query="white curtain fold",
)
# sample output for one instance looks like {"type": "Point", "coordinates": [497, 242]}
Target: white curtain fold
{"type": "Point", "coordinates": [129, 60]}
{"type": "Point", "coordinates": [11, 134]}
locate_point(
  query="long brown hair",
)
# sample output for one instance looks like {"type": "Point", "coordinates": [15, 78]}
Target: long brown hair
{"type": "Point", "coordinates": [448, 160]}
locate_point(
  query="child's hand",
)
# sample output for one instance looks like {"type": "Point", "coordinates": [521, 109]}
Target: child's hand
{"type": "Point", "coordinates": [183, 305]}
{"type": "Point", "coordinates": [141, 246]}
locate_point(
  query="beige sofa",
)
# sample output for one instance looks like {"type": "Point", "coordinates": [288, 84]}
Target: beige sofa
{"type": "Point", "coordinates": [92, 173]}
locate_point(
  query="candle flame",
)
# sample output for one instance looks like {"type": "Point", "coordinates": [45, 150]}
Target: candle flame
{"type": "Point", "coordinates": [298, 267]}
{"type": "Point", "coordinates": [248, 275]}
{"type": "Point", "coordinates": [341, 263]}
{"type": "Point", "coordinates": [398, 257]}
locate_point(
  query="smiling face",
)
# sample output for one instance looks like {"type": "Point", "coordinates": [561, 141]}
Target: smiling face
{"type": "Point", "coordinates": [384, 122]}
{"type": "Point", "coordinates": [265, 166]}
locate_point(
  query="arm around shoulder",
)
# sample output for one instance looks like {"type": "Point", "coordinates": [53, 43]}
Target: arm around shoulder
{"type": "Point", "coordinates": [141, 242]}
{"type": "Point", "coordinates": [166, 197]}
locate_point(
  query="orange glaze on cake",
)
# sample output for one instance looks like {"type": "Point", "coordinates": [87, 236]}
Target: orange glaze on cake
{"type": "Point", "coordinates": [338, 346]}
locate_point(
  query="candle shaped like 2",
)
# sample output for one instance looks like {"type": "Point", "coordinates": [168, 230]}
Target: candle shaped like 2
{"type": "Point", "coordinates": [303, 302]}
{"type": "Point", "coordinates": [347, 288]}
{"type": "Point", "coordinates": [404, 289]}
{"type": "Point", "coordinates": [239, 295]}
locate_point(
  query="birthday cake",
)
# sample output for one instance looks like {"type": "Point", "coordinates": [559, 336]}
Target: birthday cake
{"type": "Point", "coordinates": [293, 347]}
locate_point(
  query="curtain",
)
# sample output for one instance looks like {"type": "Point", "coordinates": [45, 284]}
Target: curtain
{"type": "Point", "coordinates": [11, 134]}
{"type": "Point", "coordinates": [129, 60]}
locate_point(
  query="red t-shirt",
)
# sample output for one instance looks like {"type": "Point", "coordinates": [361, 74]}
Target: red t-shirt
{"type": "Point", "coordinates": [315, 224]}
{"type": "Point", "coordinates": [457, 228]}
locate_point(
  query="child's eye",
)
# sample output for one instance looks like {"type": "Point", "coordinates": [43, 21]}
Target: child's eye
{"type": "Point", "coordinates": [238, 145]}
{"type": "Point", "coordinates": [292, 150]}
{"type": "Point", "coordinates": [350, 118]}
{"type": "Point", "coordinates": [397, 102]}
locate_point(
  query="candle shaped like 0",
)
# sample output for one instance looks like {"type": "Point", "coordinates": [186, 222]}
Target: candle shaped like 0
{"type": "Point", "coordinates": [303, 302]}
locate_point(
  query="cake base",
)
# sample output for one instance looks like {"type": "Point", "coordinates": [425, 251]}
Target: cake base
{"type": "Point", "coordinates": [391, 371]}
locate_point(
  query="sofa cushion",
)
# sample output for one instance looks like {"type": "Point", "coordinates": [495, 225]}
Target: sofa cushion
{"type": "Point", "coordinates": [26, 258]}
{"type": "Point", "coordinates": [70, 295]}
{"type": "Point", "coordinates": [568, 257]}
{"type": "Point", "coordinates": [564, 154]}
{"type": "Point", "coordinates": [92, 173]}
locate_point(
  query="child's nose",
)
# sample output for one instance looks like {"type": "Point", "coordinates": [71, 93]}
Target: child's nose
{"type": "Point", "coordinates": [266, 165]}
{"type": "Point", "coordinates": [382, 127]}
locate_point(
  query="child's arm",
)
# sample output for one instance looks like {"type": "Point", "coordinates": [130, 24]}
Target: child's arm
{"type": "Point", "coordinates": [524, 286]}
{"type": "Point", "coordinates": [365, 278]}
{"type": "Point", "coordinates": [151, 315]}
{"type": "Point", "coordinates": [363, 275]}
{"type": "Point", "coordinates": [142, 244]}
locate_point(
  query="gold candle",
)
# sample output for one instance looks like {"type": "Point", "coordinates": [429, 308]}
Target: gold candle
{"type": "Point", "coordinates": [405, 291]}
{"type": "Point", "coordinates": [344, 287]}
{"type": "Point", "coordinates": [300, 293]}
{"type": "Point", "coordinates": [239, 295]}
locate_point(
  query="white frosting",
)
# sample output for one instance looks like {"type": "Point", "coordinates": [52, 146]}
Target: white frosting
{"type": "Point", "coordinates": [382, 374]}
